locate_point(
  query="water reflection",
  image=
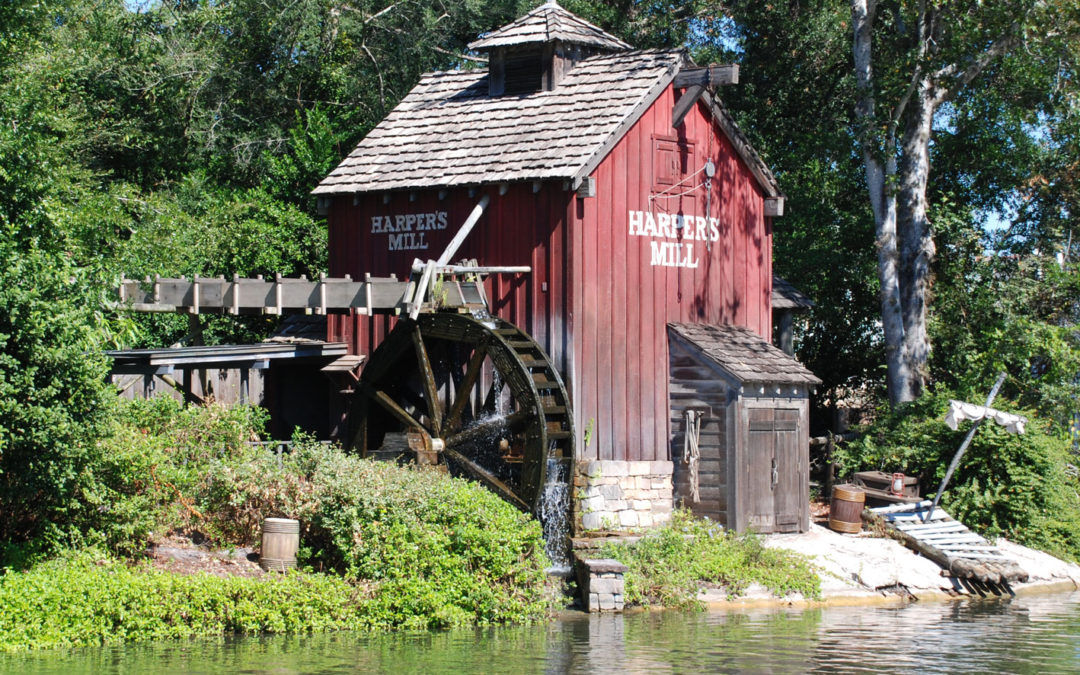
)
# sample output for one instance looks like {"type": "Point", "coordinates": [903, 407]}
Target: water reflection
{"type": "Point", "coordinates": [1040, 634]}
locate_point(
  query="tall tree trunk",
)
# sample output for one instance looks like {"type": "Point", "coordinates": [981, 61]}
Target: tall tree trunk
{"type": "Point", "coordinates": [898, 195]}
{"type": "Point", "coordinates": [880, 182]}
{"type": "Point", "coordinates": [916, 240]}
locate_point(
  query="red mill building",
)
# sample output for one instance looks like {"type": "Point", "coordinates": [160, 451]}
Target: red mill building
{"type": "Point", "coordinates": [645, 218]}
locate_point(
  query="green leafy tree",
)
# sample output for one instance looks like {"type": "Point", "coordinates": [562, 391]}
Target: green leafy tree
{"type": "Point", "coordinates": [54, 404]}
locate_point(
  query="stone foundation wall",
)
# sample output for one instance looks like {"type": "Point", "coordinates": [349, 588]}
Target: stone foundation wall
{"type": "Point", "coordinates": [619, 495]}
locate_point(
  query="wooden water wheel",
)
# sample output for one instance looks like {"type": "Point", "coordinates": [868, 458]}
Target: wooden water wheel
{"type": "Point", "coordinates": [477, 394]}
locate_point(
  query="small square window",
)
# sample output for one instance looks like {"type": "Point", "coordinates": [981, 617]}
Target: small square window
{"type": "Point", "coordinates": [671, 160]}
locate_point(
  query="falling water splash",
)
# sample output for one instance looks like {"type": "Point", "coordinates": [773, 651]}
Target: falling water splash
{"type": "Point", "coordinates": [484, 317]}
{"type": "Point", "coordinates": [555, 513]}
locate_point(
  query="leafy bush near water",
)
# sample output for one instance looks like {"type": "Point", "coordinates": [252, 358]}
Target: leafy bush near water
{"type": "Point", "coordinates": [444, 551]}
{"type": "Point", "coordinates": [1016, 486]}
{"type": "Point", "coordinates": [430, 550]}
{"type": "Point", "coordinates": [671, 564]}
{"type": "Point", "coordinates": [90, 599]}
{"type": "Point", "coordinates": [53, 400]}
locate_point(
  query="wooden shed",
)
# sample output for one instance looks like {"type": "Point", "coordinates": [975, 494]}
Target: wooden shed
{"type": "Point", "coordinates": [618, 178]}
{"type": "Point", "coordinates": [739, 415]}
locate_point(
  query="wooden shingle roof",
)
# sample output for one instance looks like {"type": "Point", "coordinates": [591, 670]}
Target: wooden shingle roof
{"type": "Point", "coordinates": [744, 354]}
{"type": "Point", "coordinates": [449, 132]}
{"type": "Point", "coordinates": [546, 23]}
{"type": "Point", "coordinates": [786, 296]}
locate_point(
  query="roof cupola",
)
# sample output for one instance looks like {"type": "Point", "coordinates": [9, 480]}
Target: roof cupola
{"type": "Point", "coordinates": [534, 52]}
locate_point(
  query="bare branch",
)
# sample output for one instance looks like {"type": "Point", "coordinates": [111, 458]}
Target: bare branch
{"type": "Point", "coordinates": [923, 28]}
{"type": "Point", "coordinates": [956, 76]}
{"type": "Point", "coordinates": [378, 71]}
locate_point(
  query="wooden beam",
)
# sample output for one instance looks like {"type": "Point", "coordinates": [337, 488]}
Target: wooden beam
{"type": "Point", "coordinates": [426, 372]}
{"type": "Point", "coordinates": [686, 103]}
{"type": "Point", "coordinates": [391, 406]}
{"type": "Point", "coordinates": [489, 478]}
{"type": "Point", "coordinates": [715, 75]}
{"type": "Point", "coordinates": [280, 295]}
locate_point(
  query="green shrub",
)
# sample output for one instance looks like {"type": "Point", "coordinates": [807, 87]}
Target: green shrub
{"type": "Point", "coordinates": [90, 599]}
{"type": "Point", "coordinates": [54, 403]}
{"type": "Point", "coordinates": [444, 551]}
{"type": "Point", "coordinates": [671, 564]}
{"type": "Point", "coordinates": [1008, 485]}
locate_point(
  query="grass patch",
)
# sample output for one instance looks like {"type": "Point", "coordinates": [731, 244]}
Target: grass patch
{"type": "Point", "coordinates": [671, 564]}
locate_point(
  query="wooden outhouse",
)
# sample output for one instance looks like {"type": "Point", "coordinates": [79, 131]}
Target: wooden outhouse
{"type": "Point", "coordinates": [618, 178]}
{"type": "Point", "coordinates": [739, 420]}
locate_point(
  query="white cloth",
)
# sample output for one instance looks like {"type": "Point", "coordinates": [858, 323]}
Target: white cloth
{"type": "Point", "coordinates": [960, 411]}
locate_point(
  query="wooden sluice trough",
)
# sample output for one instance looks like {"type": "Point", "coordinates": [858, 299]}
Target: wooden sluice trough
{"type": "Point", "coordinates": [941, 538]}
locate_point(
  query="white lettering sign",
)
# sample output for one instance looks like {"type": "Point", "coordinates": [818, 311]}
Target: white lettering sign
{"type": "Point", "coordinates": [681, 229]}
{"type": "Point", "coordinates": [408, 231]}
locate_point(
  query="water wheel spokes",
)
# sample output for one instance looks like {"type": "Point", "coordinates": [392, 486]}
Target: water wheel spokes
{"type": "Point", "coordinates": [481, 392]}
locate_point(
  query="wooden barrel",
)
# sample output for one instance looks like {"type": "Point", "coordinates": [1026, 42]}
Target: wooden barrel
{"type": "Point", "coordinates": [280, 539]}
{"type": "Point", "coordinates": [845, 510]}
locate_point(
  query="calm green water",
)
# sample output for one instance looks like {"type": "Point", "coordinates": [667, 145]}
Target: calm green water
{"type": "Point", "coordinates": [1026, 635]}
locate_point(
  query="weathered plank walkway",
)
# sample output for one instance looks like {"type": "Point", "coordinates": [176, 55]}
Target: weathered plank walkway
{"type": "Point", "coordinates": [949, 543]}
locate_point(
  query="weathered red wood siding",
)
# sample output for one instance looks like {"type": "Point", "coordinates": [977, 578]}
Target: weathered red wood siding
{"type": "Point", "coordinates": [594, 300]}
{"type": "Point", "coordinates": [518, 228]}
{"type": "Point", "coordinates": [622, 302]}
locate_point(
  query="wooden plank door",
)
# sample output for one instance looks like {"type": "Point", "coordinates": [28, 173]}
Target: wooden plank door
{"type": "Point", "coordinates": [788, 494]}
{"type": "Point", "coordinates": [760, 453]}
{"type": "Point", "coordinates": [774, 470]}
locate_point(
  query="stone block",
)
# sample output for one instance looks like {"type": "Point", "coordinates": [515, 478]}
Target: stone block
{"type": "Point", "coordinates": [666, 494]}
{"type": "Point", "coordinates": [661, 468]}
{"type": "Point", "coordinates": [603, 567]}
{"type": "Point", "coordinates": [607, 601]}
{"type": "Point", "coordinates": [603, 586]}
{"type": "Point", "coordinates": [661, 507]}
{"type": "Point", "coordinates": [610, 491]}
{"type": "Point", "coordinates": [594, 602]}
{"type": "Point", "coordinates": [645, 519]}
{"type": "Point", "coordinates": [642, 505]}
{"type": "Point", "coordinates": [628, 518]}
{"type": "Point", "coordinates": [631, 495]}
{"type": "Point", "coordinates": [616, 505]}
{"type": "Point", "coordinates": [610, 467]}
{"type": "Point", "coordinates": [658, 483]}
{"type": "Point", "coordinates": [593, 504]}
{"type": "Point", "coordinates": [610, 480]}
{"type": "Point", "coordinates": [594, 520]}
{"type": "Point", "coordinates": [639, 468]}
{"type": "Point", "coordinates": [661, 518]}
{"type": "Point", "coordinates": [592, 470]}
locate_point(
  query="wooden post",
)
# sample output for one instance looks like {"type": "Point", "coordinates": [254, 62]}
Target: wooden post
{"type": "Point", "coordinates": [964, 446]}
{"type": "Point", "coordinates": [830, 466]}
{"type": "Point", "coordinates": [786, 333]}
{"type": "Point", "coordinates": [466, 228]}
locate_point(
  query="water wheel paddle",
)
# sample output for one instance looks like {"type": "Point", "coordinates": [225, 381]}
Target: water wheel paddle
{"type": "Point", "coordinates": [477, 394]}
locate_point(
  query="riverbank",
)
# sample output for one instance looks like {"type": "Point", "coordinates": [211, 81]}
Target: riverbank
{"type": "Point", "coordinates": [864, 569]}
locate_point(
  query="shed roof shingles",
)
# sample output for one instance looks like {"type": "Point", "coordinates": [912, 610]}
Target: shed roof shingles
{"type": "Point", "coordinates": [744, 354]}
{"type": "Point", "coordinates": [786, 296]}
{"type": "Point", "coordinates": [448, 132]}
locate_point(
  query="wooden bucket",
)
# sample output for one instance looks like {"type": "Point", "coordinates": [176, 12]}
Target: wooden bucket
{"type": "Point", "coordinates": [845, 510]}
{"type": "Point", "coordinates": [280, 540]}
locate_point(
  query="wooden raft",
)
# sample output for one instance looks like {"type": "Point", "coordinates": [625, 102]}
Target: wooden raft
{"type": "Point", "coordinates": [948, 542]}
